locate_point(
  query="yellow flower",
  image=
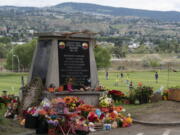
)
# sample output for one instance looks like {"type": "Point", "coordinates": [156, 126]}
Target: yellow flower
{"type": "Point", "coordinates": [129, 120]}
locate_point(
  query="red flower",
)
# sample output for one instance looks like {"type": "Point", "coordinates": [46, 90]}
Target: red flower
{"type": "Point", "coordinates": [116, 93]}
{"type": "Point", "coordinates": [104, 109]}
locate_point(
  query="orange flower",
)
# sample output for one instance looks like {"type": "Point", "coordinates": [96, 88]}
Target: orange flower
{"type": "Point", "coordinates": [68, 100]}
{"type": "Point", "coordinates": [139, 84]}
{"type": "Point", "coordinates": [74, 99]}
{"type": "Point", "coordinates": [51, 89]}
{"type": "Point", "coordinates": [42, 112]}
{"type": "Point", "coordinates": [118, 108]}
{"type": "Point", "coordinates": [113, 116]}
{"type": "Point", "coordinates": [86, 108]}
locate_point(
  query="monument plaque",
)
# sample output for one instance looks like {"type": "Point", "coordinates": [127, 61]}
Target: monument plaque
{"type": "Point", "coordinates": [74, 62]}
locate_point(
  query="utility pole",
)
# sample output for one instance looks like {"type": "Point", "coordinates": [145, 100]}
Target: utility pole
{"type": "Point", "coordinates": [18, 62]}
{"type": "Point", "coordinates": [168, 75]}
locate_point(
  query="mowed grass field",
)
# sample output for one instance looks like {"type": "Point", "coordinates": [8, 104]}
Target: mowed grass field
{"type": "Point", "coordinates": [145, 77]}
{"type": "Point", "coordinates": [12, 81]}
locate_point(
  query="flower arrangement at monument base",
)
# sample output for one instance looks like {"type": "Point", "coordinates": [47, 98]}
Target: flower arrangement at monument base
{"type": "Point", "coordinates": [118, 96]}
{"type": "Point", "coordinates": [165, 95]}
{"type": "Point", "coordinates": [100, 88]}
{"type": "Point", "coordinates": [71, 114]}
{"type": "Point", "coordinates": [174, 93]}
{"type": "Point", "coordinates": [141, 95]}
{"type": "Point", "coordinates": [105, 101]}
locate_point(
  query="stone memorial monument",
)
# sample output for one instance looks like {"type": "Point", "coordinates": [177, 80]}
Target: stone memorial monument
{"type": "Point", "coordinates": [63, 57]}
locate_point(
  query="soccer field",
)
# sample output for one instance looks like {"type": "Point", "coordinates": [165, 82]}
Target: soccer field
{"type": "Point", "coordinates": [12, 81]}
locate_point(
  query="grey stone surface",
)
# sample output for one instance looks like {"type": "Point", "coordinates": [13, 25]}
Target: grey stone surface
{"type": "Point", "coordinates": [53, 72]}
{"type": "Point", "coordinates": [93, 68]}
{"type": "Point", "coordinates": [40, 63]}
{"type": "Point", "coordinates": [89, 97]}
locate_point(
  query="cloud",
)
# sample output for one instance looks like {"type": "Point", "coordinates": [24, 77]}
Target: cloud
{"type": "Point", "coordinates": [138, 4]}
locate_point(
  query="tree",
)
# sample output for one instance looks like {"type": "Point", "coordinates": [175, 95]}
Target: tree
{"type": "Point", "coordinates": [119, 52]}
{"type": "Point", "coordinates": [3, 50]}
{"type": "Point", "coordinates": [102, 56]}
{"type": "Point", "coordinates": [24, 53]}
{"type": "Point", "coordinates": [5, 40]}
{"type": "Point", "coordinates": [5, 46]}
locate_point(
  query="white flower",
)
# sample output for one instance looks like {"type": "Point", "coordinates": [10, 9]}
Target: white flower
{"type": "Point", "coordinates": [123, 110]}
{"type": "Point", "coordinates": [129, 115]}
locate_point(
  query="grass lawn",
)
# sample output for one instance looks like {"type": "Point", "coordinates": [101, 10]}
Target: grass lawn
{"type": "Point", "coordinates": [12, 81]}
{"type": "Point", "coordinates": [146, 77]}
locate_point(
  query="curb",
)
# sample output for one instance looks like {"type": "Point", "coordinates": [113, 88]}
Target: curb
{"type": "Point", "coordinates": [27, 133]}
{"type": "Point", "coordinates": [156, 123]}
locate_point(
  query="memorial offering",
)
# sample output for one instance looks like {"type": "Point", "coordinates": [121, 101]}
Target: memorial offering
{"type": "Point", "coordinates": [67, 98]}
{"type": "Point", "coordinates": [11, 102]}
{"type": "Point", "coordinates": [72, 115]}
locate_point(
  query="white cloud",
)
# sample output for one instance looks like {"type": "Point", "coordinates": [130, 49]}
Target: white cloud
{"type": "Point", "coordinates": [138, 4]}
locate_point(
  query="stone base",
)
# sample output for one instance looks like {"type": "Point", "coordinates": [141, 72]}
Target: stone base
{"type": "Point", "coordinates": [89, 97]}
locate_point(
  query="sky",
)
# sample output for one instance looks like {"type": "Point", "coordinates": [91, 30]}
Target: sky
{"type": "Point", "coordinates": [162, 5]}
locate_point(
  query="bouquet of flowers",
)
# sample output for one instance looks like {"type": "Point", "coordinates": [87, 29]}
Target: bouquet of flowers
{"type": "Point", "coordinates": [165, 94]}
{"type": "Point", "coordinates": [116, 95]}
{"type": "Point", "coordinates": [52, 123]}
{"type": "Point", "coordinates": [72, 102]}
{"type": "Point", "coordinates": [85, 109]}
{"type": "Point", "coordinates": [105, 101]}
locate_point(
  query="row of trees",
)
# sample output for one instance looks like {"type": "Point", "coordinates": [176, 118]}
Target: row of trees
{"type": "Point", "coordinates": [20, 56]}
{"type": "Point", "coordinates": [159, 45]}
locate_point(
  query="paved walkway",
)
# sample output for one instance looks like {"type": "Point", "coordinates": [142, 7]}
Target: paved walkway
{"type": "Point", "coordinates": [161, 112]}
{"type": "Point", "coordinates": [138, 129]}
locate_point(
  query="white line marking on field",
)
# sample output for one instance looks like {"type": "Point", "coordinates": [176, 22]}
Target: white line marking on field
{"type": "Point", "coordinates": [166, 132]}
{"type": "Point", "coordinates": [140, 134]}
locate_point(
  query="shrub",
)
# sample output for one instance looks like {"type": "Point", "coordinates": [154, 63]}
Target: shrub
{"type": "Point", "coordinates": [151, 61]}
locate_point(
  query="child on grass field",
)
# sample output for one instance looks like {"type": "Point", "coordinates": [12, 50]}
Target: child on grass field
{"type": "Point", "coordinates": [156, 77]}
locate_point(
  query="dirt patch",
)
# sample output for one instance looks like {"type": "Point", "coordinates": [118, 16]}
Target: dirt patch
{"type": "Point", "coordinates": [164, 111]}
